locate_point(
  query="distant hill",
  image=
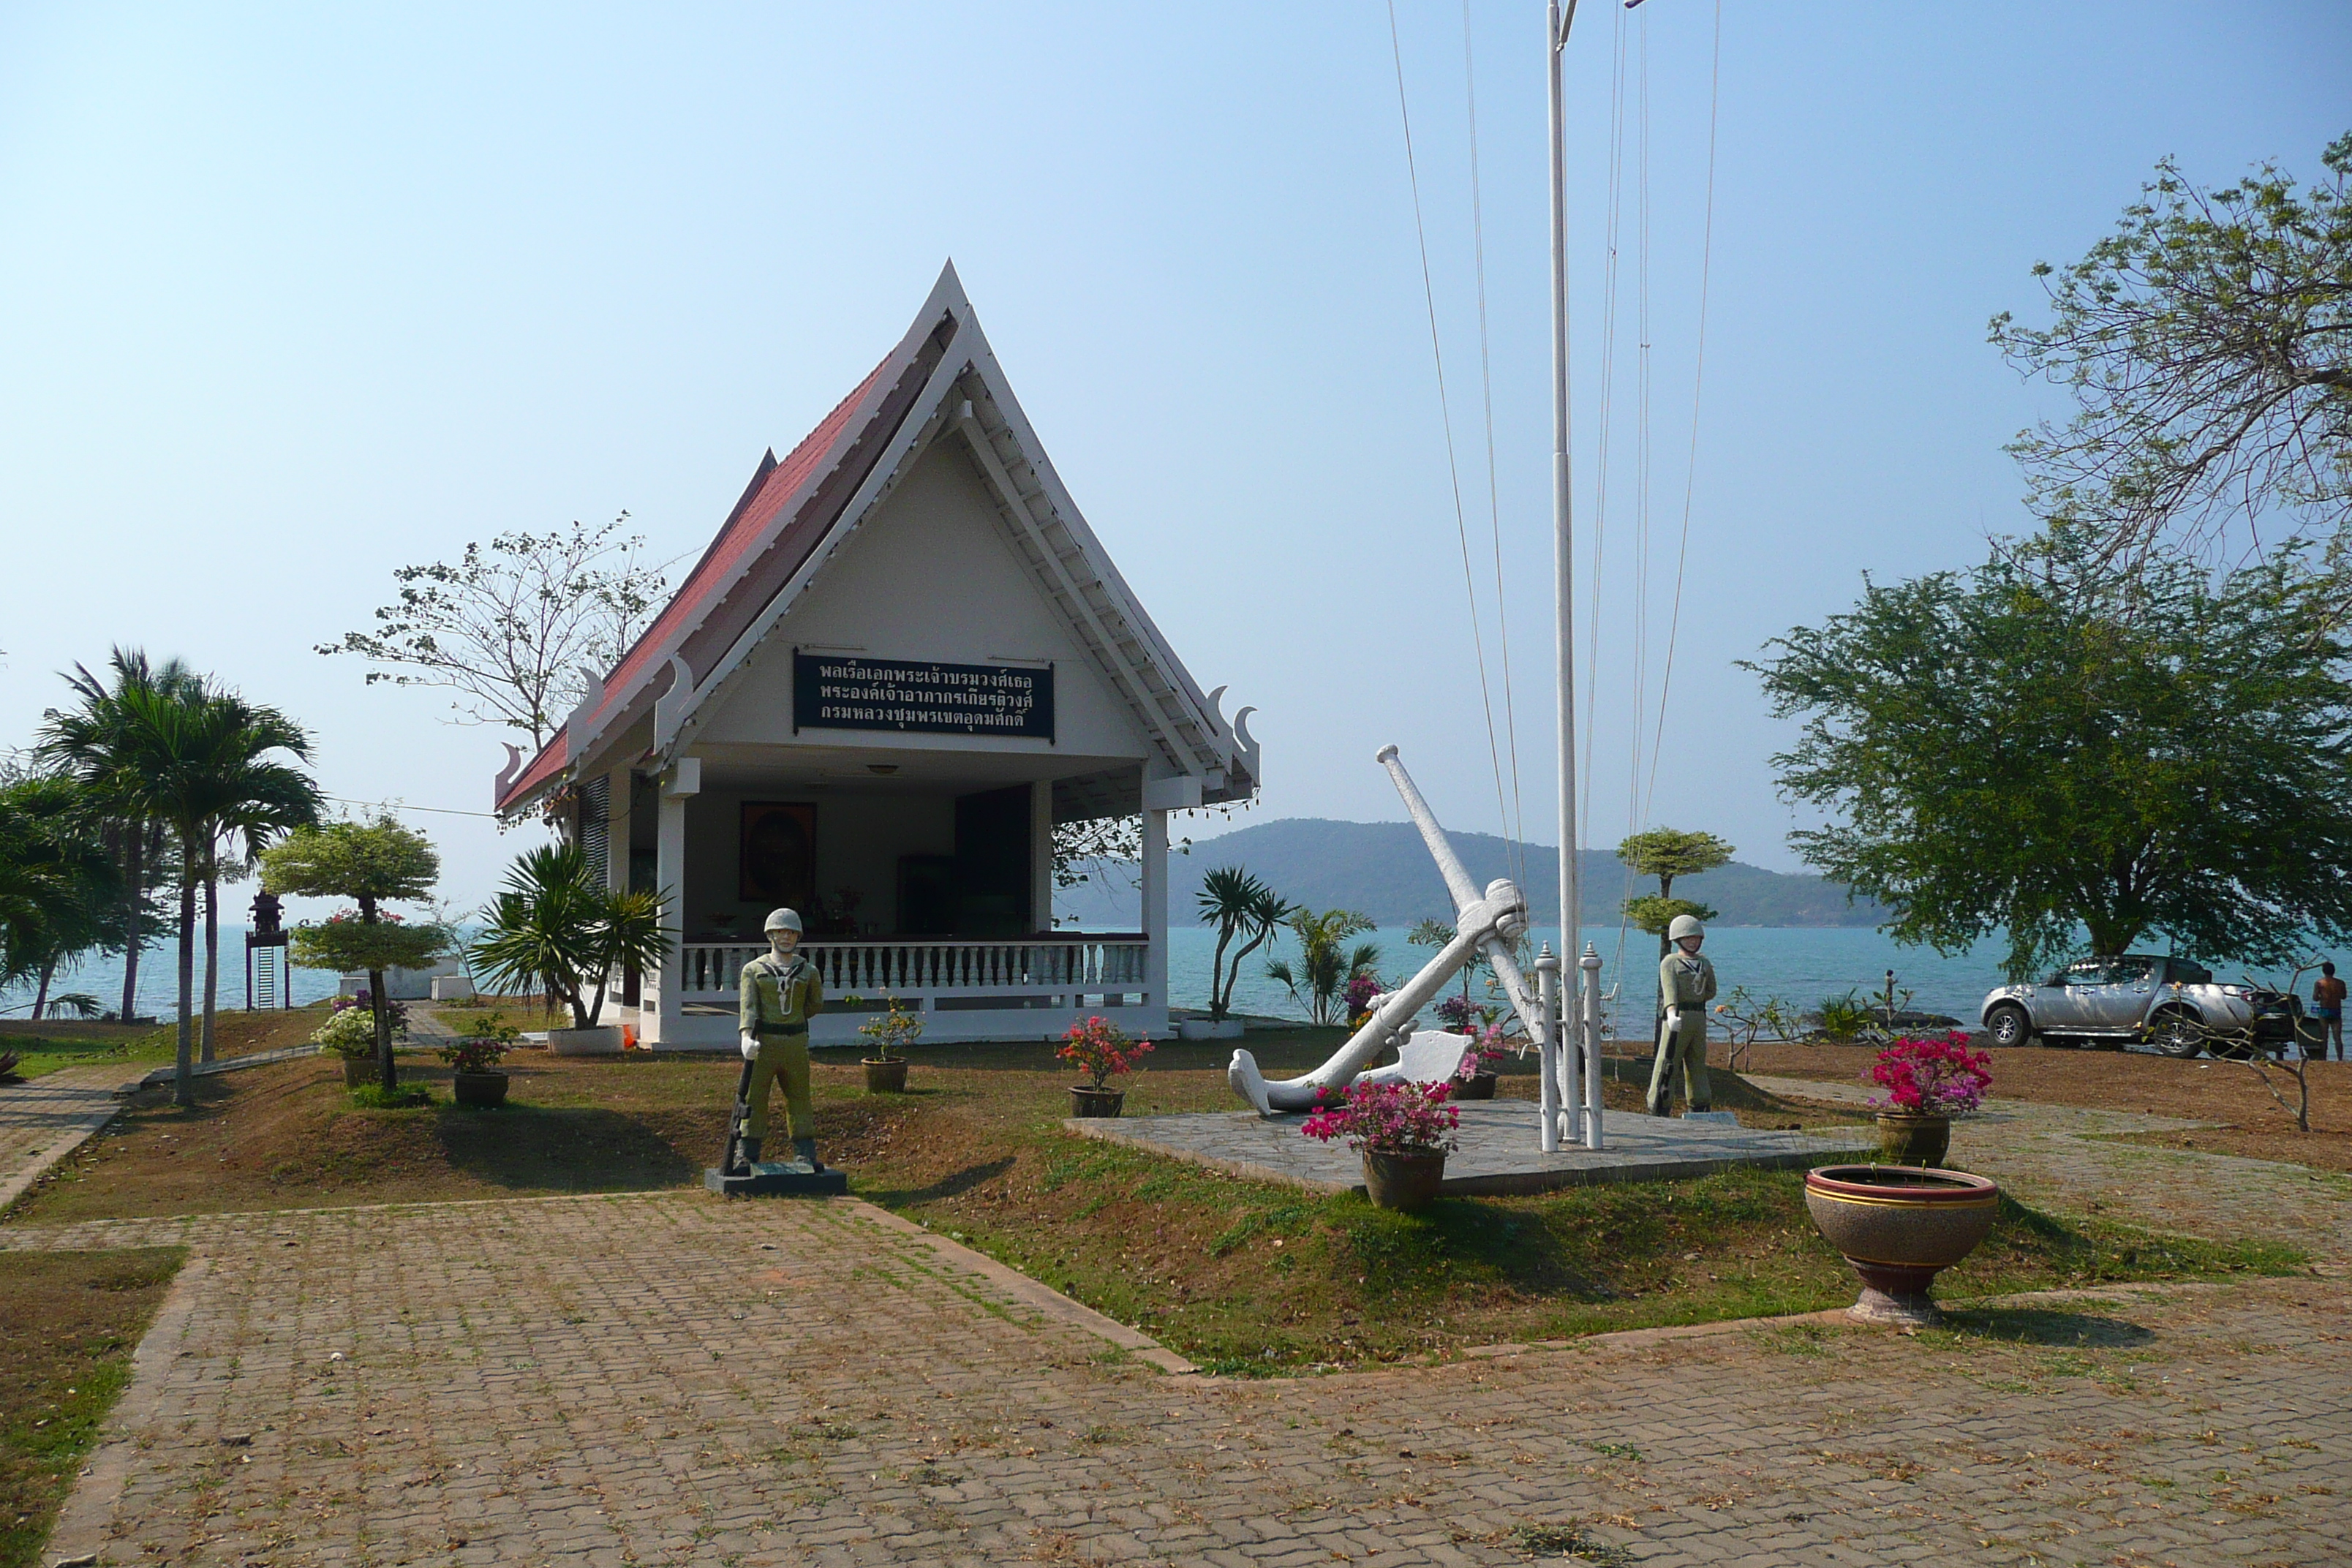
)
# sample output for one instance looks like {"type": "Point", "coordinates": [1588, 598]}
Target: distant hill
{"type": "Point", "coordinates": [1383, 870]}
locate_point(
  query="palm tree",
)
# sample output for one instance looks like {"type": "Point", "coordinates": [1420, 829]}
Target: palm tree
{"type": "Point", "coordinates": [555, 927]}
{"type": "Point", "coordinates": [56, 882]}
{"type": "Point", "coordinates": [195, 758]}
{"type": "Point", "coordinates": [1325, 963]}
{"type": "Point", "coordinates": [93, 742]}
{"type": "Point", "coordinates": [1239, 905]}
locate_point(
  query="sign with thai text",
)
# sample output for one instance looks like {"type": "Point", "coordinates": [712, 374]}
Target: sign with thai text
{"type": "Point", "coordinates": [839, 693]}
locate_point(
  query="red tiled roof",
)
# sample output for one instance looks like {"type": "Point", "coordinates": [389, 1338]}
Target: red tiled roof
{"type": "Point", "coordinates": [771, 488]}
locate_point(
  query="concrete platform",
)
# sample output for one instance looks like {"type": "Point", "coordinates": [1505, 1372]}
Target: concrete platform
{"type": "Point", "coordinates": [1499, 1152]}
{"type": "Point", "coordinates": [772, 1179]}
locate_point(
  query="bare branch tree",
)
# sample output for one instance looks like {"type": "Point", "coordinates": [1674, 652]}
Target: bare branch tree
{"type": "Point", "coordinates": [2208, 341]}
{"type": "Point", "coordinates": [511, 626]}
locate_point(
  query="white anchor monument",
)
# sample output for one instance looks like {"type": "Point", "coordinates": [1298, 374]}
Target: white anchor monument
{"type": "Point", "coordinates": [1493, 923]}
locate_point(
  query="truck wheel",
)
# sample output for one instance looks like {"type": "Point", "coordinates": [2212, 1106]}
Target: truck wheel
{"type": "Point", "coordinates": [2009, 1026]}
{"type": "Point", "coordinates": [2177, 1033]}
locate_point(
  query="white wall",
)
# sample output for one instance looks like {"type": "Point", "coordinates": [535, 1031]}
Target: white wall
{"type": "Point", "coordinates": [930, 576]}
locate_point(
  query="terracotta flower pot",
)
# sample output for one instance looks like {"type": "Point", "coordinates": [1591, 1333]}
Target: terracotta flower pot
{"type": "Point", "coordinates": [1404, 1182]}
{"type": "Point", "coordinates": [1899, 1228]}
{"type": "Point", "coordinates": [484, 1089]}
{"type": "Point", "coordinates": [1907, 1140]}
{"type": "Point", "coordinates": [1086, 1099]}
{"type": "Point", "coordinates": [885, 1075]}
{"type": "Point", "coordinates": [1477, 1086]}
{"type": "Point", "coordinates": [358, 1071]}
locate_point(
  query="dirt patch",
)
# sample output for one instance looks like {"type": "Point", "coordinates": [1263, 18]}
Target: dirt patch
{"type": "Point", "coordinates": [73, 1320]}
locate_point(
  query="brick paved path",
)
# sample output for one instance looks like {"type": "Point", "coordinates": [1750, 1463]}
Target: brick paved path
{"type": "Point", "coordinates": [45, 1118]}
{"type": "Point", "coordinates": [670, 1378]}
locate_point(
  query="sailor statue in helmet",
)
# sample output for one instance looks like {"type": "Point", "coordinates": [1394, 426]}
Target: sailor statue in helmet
{"type": "Point", "coordinates": [781, 992]}
{"type": "Point", "coordinates": [1686, 985]}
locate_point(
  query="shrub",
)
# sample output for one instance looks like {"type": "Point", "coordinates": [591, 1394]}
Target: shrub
{"type": "Point", "coordinates": [1843, 1018]}
{"type": "Point", "coordinates": [350, 1032]}
{"type": "Point", "coordinates": [1102, 1048]}
{"type": "Point", "coordinates": [893, 1031]}
{"type": "Point", "coordinates": [1389, 1119]}
{"type": "Point", "coordinates": [482, 1051]}
{"type": "Point", "coordinates": [1932, 1078]}
{"type": "Point", "coordinates": [407, 1097]}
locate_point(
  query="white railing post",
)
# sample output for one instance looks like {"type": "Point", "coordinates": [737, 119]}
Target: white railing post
{"type": "Point", "coordinates": [1547, 1051]}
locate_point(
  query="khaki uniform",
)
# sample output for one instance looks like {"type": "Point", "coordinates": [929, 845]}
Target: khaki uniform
{"type": "Point", "coordinates": [1686, 980]}
{"type": "Point", "coordinates": [779, 998]}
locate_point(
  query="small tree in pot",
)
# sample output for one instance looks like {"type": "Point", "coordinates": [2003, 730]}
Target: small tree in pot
{"type": "Point", "coordinates": [892, 1032]}
{"type": "Point", "coordinates": [1104, 1050]}
{"type": "Point", "coordinates": [349, 1033]}
{"type": "Point", "coordinates": [476, 1058]}
{"type": "Point", "coordinates": [371, 864]}
{"type": "Point", "coordinates": [555, 927]}
{"type": "Point", "coordinates": [1403, 1131]}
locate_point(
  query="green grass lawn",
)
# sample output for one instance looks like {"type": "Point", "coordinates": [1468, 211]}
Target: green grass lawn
{"type": "Point", "coordinates": [73, 1318]}
{"type": "Point", "coordinates": [52, 1044]}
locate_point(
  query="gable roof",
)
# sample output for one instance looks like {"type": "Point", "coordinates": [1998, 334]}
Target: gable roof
{"type": "Point", "coordinates": [941, 381]}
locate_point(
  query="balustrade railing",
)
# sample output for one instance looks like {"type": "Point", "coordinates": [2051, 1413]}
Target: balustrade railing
{"type": "Point", "coordinates": [911, 967]}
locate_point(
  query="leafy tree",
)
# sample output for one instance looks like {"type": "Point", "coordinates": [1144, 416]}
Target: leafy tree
{"type": "Point", "coordinates": [1238, 905]}
{"type": "Point", "coordinates": [2209, 342]}
{"type": "Point", "coordinates": [97, 742]}
{"type": "Point", "coordinates": [371, 864]}
{"type": "Point", "coordinates": [2035, 746]}
{"type": "Point", "coordinates": [511, 626]}
{"type": "Point", "coordinates": [556, 926]}
{"type": "Point", "coordinates": [1666, 853]}
{"type": "Point", "coordinates": [1325, 963]}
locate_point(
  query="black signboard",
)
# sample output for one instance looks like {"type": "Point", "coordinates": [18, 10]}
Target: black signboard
{"type": "Point", "coordinates": [839, 693]}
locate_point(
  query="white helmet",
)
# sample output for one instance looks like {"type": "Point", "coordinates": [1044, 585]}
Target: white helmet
{"type": "Point", "coordinates": [783, 919]}
{"type": "Point", "coordinates": [1684, 925]}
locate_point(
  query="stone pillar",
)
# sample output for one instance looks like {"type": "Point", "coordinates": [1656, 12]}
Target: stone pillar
{"type": "Point", "coordinates": [663, 1012]}
{"type": "Point", "coordinates": [1041, 855]}
{"type": "Point", "coordinates": [1155, 917]}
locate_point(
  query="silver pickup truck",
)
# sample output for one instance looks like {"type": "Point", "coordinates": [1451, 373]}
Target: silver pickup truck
{"type": "Point", "coordinates": [2173, 1003]}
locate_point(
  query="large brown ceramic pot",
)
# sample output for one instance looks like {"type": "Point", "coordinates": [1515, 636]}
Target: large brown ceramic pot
{"type": "Point", "coordinates": [1904, 1139]}
{"type": "Point", "coordinates": [1899, 1226]}
{"type": "Point", "coordinates": [1403, 1181]}
{"type": "Point", "coordinates": [885, 1075]}
{"type": "Point", "coordinates": [482, 1089]}
{"type": "Point", "coordinates": [1477, 1086]}
{"type": "Point", "coordinates": [359, 1071]}
{"type": "Point", "coordinates": [1086, 1099]}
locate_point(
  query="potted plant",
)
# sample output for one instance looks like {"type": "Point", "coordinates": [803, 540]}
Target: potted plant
{"type": "Point", "coordinates": [1471, 1080]}
{"type": "Point", "coordinates": [1926, 1083]}
{"type": "Point", "coordinates": [349, 1033]}
{"type": "Point", "coordinates": [476, 1059]}
{"type": "Point", "coordinates": [1403, 1131]}
{"type": "Point", "coordinates": [1899, 1228]}
{"type": "Point", "coordinates": [555, 928]}
{"type": "Point", "coordinates": [1103, 1050]}
{"type": "Point", "coordinates": [892, 1032]}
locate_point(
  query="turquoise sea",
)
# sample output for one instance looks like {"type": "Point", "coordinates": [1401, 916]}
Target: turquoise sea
{"type": "Point", "coordinates": [1802, 965]}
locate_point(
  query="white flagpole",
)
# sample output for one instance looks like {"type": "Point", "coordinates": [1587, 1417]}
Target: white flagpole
{"type": "Point", "coordinates": [1556, 26]}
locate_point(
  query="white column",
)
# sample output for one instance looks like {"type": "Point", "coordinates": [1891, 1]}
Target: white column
{"type": "Point", "coordinates": [663, 1013]}
{"type": "Point", "coordinates": [1041, 855]}
{"type": "Point", "coordinates": [1155, 916]}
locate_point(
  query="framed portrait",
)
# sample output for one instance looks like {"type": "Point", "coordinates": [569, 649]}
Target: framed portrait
{"type": "Point", "coordinates": [777, 855]}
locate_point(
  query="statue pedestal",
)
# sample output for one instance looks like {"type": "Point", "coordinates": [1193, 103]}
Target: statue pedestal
{"type": "Point", "coordinates": [774, 1179]}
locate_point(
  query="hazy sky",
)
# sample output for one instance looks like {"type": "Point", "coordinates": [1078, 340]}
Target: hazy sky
{"type": "Point", "coordinates": [289, 297]}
